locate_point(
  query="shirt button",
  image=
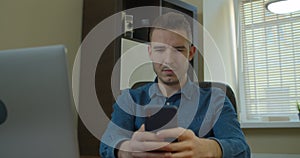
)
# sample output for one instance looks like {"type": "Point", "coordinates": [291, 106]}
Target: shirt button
{"type": "Point", "coordinates": [168, 103]}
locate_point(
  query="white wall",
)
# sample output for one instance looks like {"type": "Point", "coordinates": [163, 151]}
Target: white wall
{"type": "Point", "coordinates": [218, 20]}
{"type": "Point", "coordinates": [29, 23]}
{"type": "Point", "coordinates": [135, 69]}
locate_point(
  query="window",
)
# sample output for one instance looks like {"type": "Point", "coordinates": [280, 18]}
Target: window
{"type": "Point", "coordinates": [270, 62]}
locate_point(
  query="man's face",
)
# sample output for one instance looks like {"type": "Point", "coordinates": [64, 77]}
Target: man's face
{"type": "Point", "coordinates": [170, 53]}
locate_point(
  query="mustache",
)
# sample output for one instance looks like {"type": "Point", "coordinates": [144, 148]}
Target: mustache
{"type": "Point", "coordinates": [167, 68]}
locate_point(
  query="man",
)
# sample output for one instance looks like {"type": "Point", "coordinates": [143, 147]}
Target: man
{"type": "Point", "coordinates": [208, 125]}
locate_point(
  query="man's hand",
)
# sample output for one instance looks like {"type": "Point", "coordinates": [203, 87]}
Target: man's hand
{"type": "Point", "coordinates": [189, 145]}
{"type": "Point", "coordinates": [140, 143]}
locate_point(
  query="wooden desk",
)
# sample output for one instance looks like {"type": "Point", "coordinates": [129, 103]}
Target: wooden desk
{"type": "Point", "coordinates": [89, 156]}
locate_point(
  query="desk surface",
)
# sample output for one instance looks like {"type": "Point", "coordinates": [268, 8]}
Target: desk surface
{"type": "Point", "coordinates": [253, 155]}
{"type": "Point", "coordinates": [267, 155]}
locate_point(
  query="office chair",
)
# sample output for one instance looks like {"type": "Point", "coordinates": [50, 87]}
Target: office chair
{"type": "Point", "coordinates": [225, 87]}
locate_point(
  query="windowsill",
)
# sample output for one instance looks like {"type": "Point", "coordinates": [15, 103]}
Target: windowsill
{"type": "Point", "coordinates": [273, 124]}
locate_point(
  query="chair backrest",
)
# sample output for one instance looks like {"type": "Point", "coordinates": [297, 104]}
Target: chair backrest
{"type": "Point", "coordinates": [225, 87]}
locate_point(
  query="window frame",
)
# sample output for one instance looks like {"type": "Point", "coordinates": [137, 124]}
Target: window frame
{"type": "Point", "coordinates": [246, 123]}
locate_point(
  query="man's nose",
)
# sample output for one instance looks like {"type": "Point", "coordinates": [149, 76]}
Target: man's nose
{"type": "Point", "coordinates": [169, 57]}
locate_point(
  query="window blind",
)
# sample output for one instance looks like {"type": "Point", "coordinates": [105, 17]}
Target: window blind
{"type": "Point", "coordinates": [270, 47]}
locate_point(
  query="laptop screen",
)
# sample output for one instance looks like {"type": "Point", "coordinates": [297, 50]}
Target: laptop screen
{"type": "Point", "coordinates": [35, 93]}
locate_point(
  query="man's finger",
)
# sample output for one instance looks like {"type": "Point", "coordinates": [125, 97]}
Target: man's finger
{"type": "Point", "coordinates": [142, 128]}
{"type": "Point", "coordinates": [147, 146]}
{"type": "Point", "coordinates": [177, 146]}
{"type": "Point", "coordinates": [151, 154]}
{"type": "Point", "coordinates": [171, 133]}
{"type": "Point", "coordinates": [183, 154]}
{"type": "Point", "coordinates": [146, 136]}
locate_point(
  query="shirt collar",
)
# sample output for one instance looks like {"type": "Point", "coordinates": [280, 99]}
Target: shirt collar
{"type": "Point", "coordinates": [187, 89]}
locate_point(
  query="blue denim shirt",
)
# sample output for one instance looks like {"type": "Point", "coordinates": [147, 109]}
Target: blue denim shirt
{"type": "Point", "coordinates": [207, 112]}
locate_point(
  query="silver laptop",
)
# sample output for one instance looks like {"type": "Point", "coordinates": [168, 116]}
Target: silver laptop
{"type": "Point", "coordinates": [38, 118]}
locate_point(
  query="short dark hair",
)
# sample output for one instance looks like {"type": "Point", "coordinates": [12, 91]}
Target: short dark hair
{"type": "Point", "coordinates": [172, 21]}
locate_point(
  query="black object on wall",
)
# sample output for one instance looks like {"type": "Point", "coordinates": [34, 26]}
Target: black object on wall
{"type": "Point", "coordinates": [3, 112]}
{"type": "Point", "coordinates": [141, 34]}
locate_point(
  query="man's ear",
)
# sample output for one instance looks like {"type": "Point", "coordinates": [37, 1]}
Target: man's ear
{"type": "Point", "coordinates": [150, 51]}
{"type": "Point", "coordinates": [192, 52]}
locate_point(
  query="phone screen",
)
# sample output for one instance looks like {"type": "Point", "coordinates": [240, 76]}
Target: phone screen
{"type": "Point", "coordinates": [159, 118]}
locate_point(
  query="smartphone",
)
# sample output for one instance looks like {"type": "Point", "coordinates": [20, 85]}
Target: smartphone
{"type": "Point", "coordinates": [159, 118]}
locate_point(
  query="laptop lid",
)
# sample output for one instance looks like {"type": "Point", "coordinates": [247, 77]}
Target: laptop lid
{"type": "Point", "coordinates": [38, 119]}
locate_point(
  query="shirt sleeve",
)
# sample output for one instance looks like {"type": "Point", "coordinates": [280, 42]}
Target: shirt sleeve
{"type": "Point", "coordinates": [120, 127]}
{"type": "Point", "coordinates": [228, 134]}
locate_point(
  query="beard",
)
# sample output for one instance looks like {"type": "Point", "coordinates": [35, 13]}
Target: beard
{"type": "Point", "coordinates": [167, 79]}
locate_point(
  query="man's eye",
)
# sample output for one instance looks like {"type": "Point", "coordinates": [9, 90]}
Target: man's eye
{"type": "Point", "coordinates": [180, 50]}
{"type": "Point", "coordinates": [159, 50]}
